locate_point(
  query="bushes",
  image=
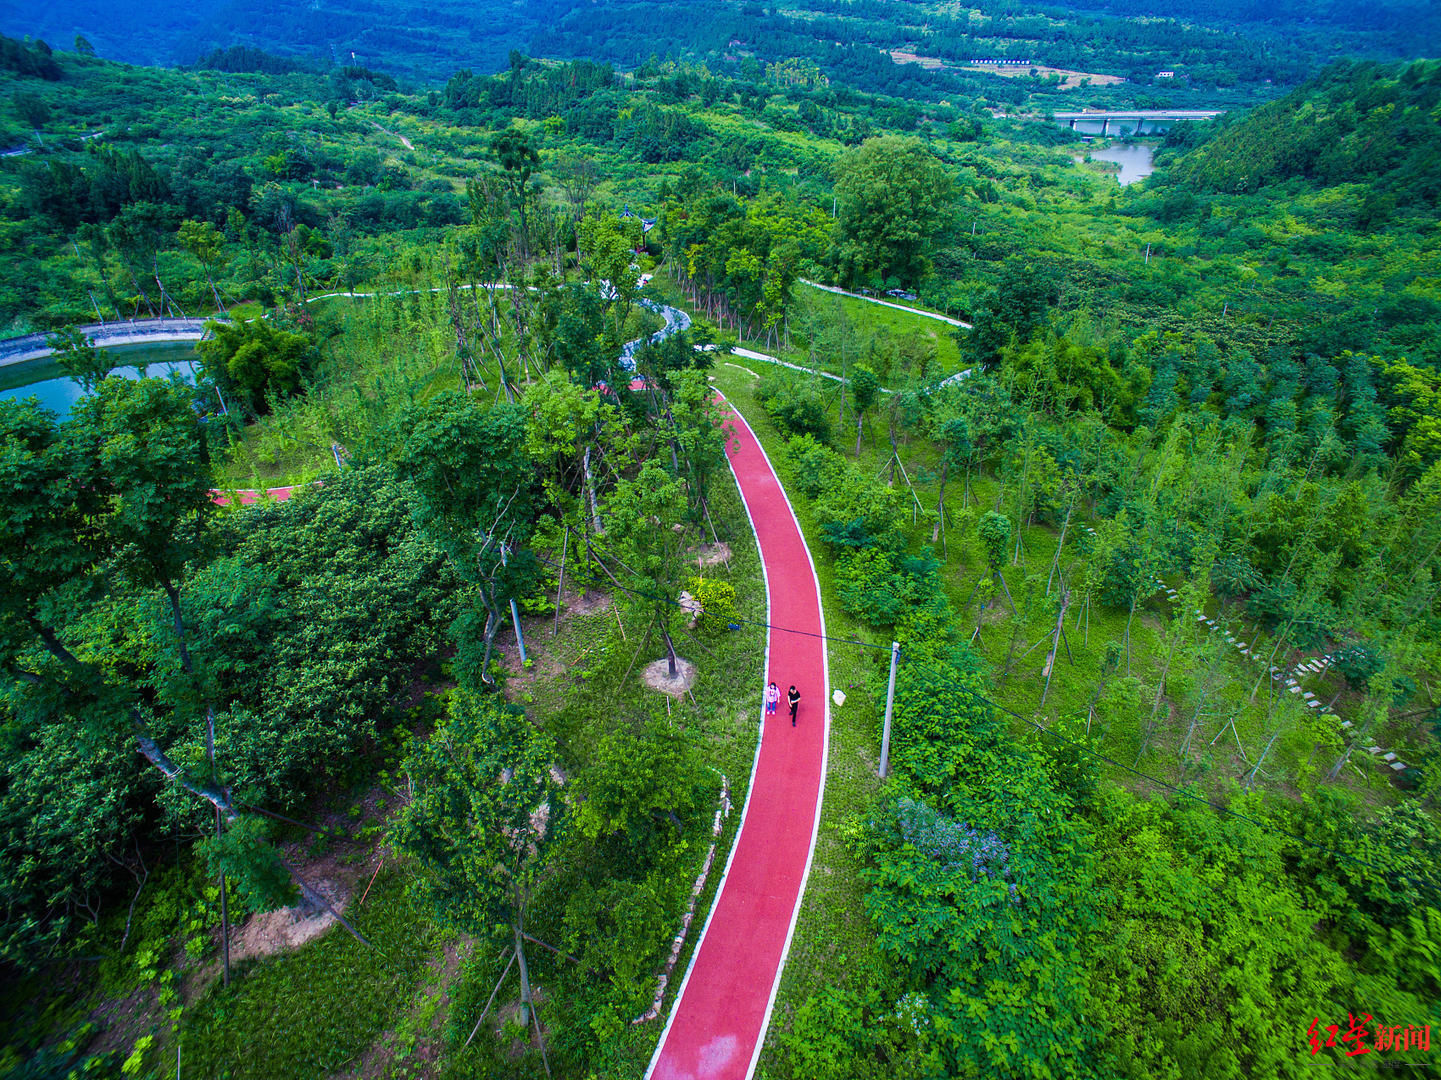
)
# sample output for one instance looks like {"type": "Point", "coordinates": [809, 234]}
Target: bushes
{"type": "Point", "coordinates": [863, 523]}
{"type": "Point", "coordinates": [795, 409]}
{"type": "Point", "coordinates": [816, 468]}
{"type": "Point", "coordinates": [251, 361]}
{"type": "Point", "coordinates": [718, 605]}
{"type": "Point", "coordinates": [980, 891]}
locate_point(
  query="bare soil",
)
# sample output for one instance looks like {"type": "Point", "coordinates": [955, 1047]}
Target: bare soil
{"type": "Point", "coordinates": [657, 676]}
{"type": "Point", "coordinates": [1069, 79]}
{"type": "Point", "coordinates": [289, 928]}
{"type": "Point", "coordinates": [711, 554]}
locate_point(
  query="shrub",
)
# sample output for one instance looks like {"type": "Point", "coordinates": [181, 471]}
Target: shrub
{"type": "Point", "coordinates": [817, 468]}
{"type": "Point", "coordinates": [795, 410]}
{"type": "Point", "coordinates": [718, 605]}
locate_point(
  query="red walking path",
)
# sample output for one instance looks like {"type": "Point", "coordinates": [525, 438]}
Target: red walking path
{"type": "Point", "coordinates": [247, 496]}
{"type": "Point", "coordinates": [718, 1022]}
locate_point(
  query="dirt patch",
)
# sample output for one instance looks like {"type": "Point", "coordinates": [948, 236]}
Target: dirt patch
{"type": "Point", "coordinates": [711, 554]}
{"type": "Point", "coordinates": [121, 1021]}
{"type": "Point", "coordinates": [270, 933]}
{"type": "Point", "coordinates": [1070, 80]}
{"type": "Point", "coordinates": [587, 603]}
{"type": "Point", "coordinates": [657, 676]}
{"type": "Point", "coordinates": [274, 932]}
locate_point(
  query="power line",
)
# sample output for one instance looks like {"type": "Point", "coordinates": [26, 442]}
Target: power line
{"type": "Point", "coordinates": [1085, 748]}
{"type": "Point", "coordinates": [738, 621]}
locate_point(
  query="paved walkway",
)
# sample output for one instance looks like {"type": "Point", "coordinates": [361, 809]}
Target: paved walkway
{"type": "Point", "coordinates": [718, 1023]}
{"type": "Point", "coordinates": [766, 358]}
{"type": "Point", "coordinates": [247, 496]}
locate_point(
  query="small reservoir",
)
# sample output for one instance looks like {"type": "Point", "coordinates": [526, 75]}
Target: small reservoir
{"type": "Point", "coordinates": [1136, 159]}
{"type": "Point", "coordinates": [57, 391]}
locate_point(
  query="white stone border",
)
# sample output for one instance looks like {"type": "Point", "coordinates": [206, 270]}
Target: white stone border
{"type": "Point", "coordinates": [722, 812]}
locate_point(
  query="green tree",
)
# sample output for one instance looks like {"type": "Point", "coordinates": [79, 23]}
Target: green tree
{"type": "Point", "coordinates": [31, 109]}
{"type": "Point", "coordinates": [607, 240]}
{"type": "Point", "coordinates": [77, 354]}
{"type": "Point", "coordinates": [517, 158]}
{"type": "Point", "coordinates": [474, 481]}
{"type": "Point", "coordinates": [255, 361]}
{"type": "Point", "coordinates": [994, 530]}
{"type": "Point", "coordinates": [864, 389]}
{"type": "Point", "coordinates": [645, 517]}
{"type": "Point", "coordinates": [892, 195]}
{"type": "Point", "coordinates": [99, 514]}
{"type": "Point", "coordinates": [207, 244]}
{"type": "Point", "coordinates": [483, 823]}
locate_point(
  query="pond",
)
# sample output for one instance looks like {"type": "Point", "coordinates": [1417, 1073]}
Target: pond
{"type": "Point", "coordinates": [1135, 159]}
{"type": "Point", "coordinates": [57, 391]}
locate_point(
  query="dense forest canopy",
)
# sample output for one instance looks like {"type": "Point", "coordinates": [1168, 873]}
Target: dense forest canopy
{"type": "Point", "coordinates": [1149, 489]}
{"type": "Point", "coordinates": [849, 39]}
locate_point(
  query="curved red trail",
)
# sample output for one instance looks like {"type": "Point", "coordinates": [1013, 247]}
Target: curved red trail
{"type": "Point", "coordinates": [719, 1018]}
{"type": "Point", "coordinates": [247, 496]}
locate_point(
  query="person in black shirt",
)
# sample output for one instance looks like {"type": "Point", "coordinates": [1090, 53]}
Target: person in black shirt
{"type": "Point", "coordinates": [794, 698]}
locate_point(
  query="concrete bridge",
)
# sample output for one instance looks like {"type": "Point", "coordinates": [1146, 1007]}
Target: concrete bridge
{"type": "Point", "coordinates": [1140, 116]}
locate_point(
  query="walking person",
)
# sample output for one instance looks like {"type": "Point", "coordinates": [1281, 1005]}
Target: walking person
{"type": "Point", "coordinates": [794, 697]}
{"type": "Point", "coordinates": [773, 698]}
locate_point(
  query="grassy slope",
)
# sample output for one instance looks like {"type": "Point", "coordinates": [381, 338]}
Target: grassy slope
{"type": "Point", "coordinates": [833, 939]}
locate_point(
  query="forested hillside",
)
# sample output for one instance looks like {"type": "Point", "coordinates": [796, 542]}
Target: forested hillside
{"type": "Point", "coordinates": [1146, 481]}
{"type": "Point", "coordinates": [1357, 124]}
{"type": "Point", "coordinates": [863, 43]}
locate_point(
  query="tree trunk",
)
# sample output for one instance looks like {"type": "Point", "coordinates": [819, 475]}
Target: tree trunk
{"type": "Point", "coordinates": [1060, 544]}
{"type": "Point", "coordinates": [891, 467]}
{"type": "Point", "coordinates": [526, 1003]}
{"type": "Point", "coordinates": [1055, 642]}
{"type": "Point", "coordinates": [938, 532]}
{"type": "Point", "coordinates": [1127, 635]}
{"type": "Point", "coordinates": [669, 647]}
{"type": "Point", "coordinates": [1256, 768]}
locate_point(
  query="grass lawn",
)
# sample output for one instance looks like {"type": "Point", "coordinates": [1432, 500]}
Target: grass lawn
{"type": "Point", "coordinates": [315, 1011]}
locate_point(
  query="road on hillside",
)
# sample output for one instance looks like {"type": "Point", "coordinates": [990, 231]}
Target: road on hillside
{"type": "Point", "coordinates": [718, 1022]}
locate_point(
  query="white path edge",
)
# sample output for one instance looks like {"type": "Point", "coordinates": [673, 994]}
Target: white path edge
{"type": "Point", "coordinates": [766, 358]}
{"type": "Point", "coordinates": [755, 764]}
{"type": "Point", "coordinates": [886, 303]}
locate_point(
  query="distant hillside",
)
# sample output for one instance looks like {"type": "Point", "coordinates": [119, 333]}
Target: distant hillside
{"type": "Point", "coordinates": [1355, 122]}
{"type": "Point", "coordinates": [1238, 49]}
{"type": "Point", "coordinates": [420, 41]}
{"type": "Point", "coordinates": [1410, 27]}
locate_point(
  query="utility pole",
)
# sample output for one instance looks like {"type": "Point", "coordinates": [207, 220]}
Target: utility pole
{"type": "Point", "coordinates": [514, 613]}
{"type": "Point", "coordinates": [890, 703]}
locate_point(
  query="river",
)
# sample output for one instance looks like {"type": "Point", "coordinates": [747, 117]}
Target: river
{"type": "Point", "coordinates": [57, 391]}
{"type": "Point", "coordinates": [1135, 159]}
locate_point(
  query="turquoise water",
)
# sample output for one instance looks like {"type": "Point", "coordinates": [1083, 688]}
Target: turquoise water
{"type": "Point", "coordinates": [57, 392]}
